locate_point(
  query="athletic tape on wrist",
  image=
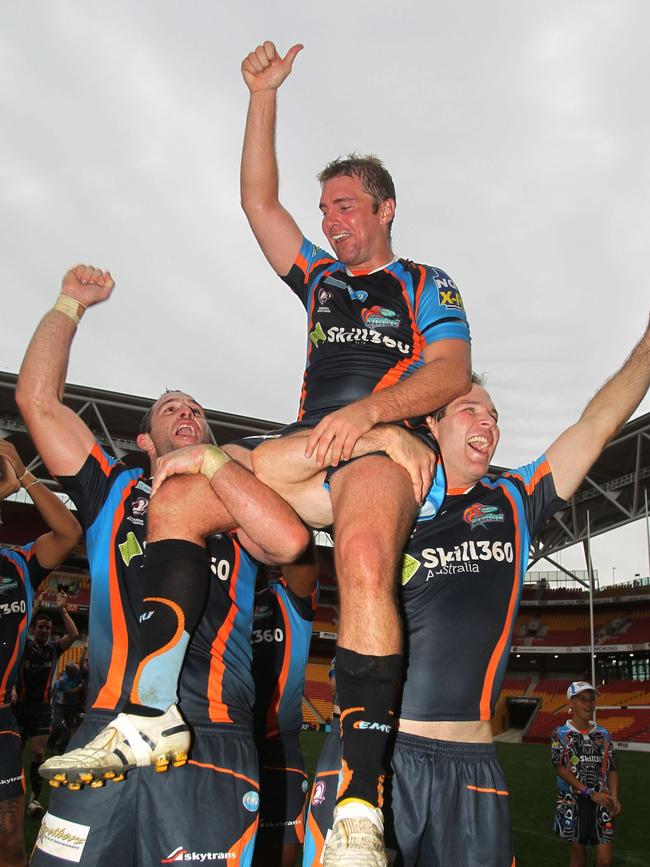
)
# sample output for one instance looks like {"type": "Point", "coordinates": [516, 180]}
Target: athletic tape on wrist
{"type": "Point", "coordinates": [70, 307]}
{"type": "Point", "coordinates": [213, 459]}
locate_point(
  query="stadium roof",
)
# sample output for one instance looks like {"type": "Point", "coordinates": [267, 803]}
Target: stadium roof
{"type": "Point", "coordinates": [115, 420]}
{"type": "Point", "coordinates": [612, 494]}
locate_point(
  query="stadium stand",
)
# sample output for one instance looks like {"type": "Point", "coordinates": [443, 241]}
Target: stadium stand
{"type": "Point", "coordinates": [620, 703]}
{"type": "Point", "coordinates": [317, 690]}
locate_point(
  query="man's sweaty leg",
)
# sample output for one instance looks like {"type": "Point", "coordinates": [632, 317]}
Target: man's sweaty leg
{"type": "Point", "coordinates": [374, 508]}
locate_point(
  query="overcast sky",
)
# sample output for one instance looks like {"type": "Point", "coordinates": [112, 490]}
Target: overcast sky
{"type": "Point", "coordinates": [515, 132]}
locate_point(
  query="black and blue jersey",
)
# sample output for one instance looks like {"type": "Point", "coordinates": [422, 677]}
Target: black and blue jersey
{"type": "Point", "coordinates": [462, 575]}
{"type": "Point", "coordinates": [20, 576]}
{"type": "Point", "coordinates": [282, 629]}
{"type": "Point", "coordinates": [216, 682]}
{"type": "Point", "coordinates": [368, 331]}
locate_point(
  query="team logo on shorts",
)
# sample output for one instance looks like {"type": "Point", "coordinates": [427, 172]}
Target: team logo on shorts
{"type": "Point", "coordinates": [477, 514]}
{"type": "Point", "coordinates": [318, 796]}
{"type": "Point", "coordinates": [379, 317]}
{"type": "Point", "coordinates": [182, 854]}
{"type": "Point", "coordinates": [251, 801]}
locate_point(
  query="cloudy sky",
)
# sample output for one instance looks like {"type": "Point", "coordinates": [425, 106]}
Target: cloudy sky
{"type": "Point", "coordinates": [515, 132]}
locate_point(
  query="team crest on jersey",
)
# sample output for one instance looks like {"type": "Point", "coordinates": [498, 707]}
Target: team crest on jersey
{"type": "Point", "coordinates": [138, 511]}
{"type": "Point", "coordinates": [8, 584]}
{"type": "Point", "coordinates": [379, 317]}
{"type": "Point", "coordinates": [324, 296]}
{"type": "Point", "coordinates": [261, 612]}
{"type": "Point", "coordinates": [318, 796]}
{"type": "Point", "coordinates": [477, 515]}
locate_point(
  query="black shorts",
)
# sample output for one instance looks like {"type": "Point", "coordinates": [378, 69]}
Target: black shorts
{"type": "Point", "coordinates": [445, 803]}
{"type": "Point", "coordinates": [207, 808]}
{"type": "Point", "coordinates": [34, 718]}
{"type": "Point", "coordinates": [12, 779]}
{"type": "Point", "coordinates": [580, 820]}
{"type": "Point", "coordinates": [283, 792]}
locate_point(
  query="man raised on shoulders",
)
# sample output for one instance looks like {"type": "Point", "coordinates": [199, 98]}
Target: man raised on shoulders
{"type": "Point", "coordinates": [387, 341]}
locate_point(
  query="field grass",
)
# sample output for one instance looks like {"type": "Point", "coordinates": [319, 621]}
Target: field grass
{"type": "Point", "coordinates": [532, 786]}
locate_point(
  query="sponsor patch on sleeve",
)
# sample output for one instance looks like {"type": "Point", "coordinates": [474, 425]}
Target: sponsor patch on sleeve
{"type": "Point", "coordinates": [448, 293]}
{"type": "Point", "coordinates": [62, 838]}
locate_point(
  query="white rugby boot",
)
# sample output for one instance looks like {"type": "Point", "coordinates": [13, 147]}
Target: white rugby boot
{"type": "Point", "coordinates": [127, 742]}
{"type": "Point", "coordinates": [357, 837]}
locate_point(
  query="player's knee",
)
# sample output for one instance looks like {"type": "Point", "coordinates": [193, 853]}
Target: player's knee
{"type": "Point", "coordinates": [295, 541]}
{"type": "Point", "coordinates": [266, 466]}
{"type": "Point", "coordinates": [363, 564]}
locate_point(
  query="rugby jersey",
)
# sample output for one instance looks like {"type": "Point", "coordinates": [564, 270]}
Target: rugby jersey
{"type": "Point", "coordinates": [368, 331]}
{"type": "Point", "coordinates": [216, 682]}
{"type": "Point", "coordinates": [282, 628]}
{"type": "Point", "coordinates": [461, 581]}
{"type": "Point", "coordinates": [20, 576]}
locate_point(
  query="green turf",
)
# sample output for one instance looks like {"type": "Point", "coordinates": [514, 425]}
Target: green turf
{"type": "Point", "coordinates": [531, 782]}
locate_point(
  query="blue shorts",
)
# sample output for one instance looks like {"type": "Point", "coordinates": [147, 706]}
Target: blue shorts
{"type": "Point", "coordinates": [207, 808]}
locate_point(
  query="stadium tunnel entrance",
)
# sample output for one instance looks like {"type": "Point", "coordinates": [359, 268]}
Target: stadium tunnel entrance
{"type": "Point", "coordinates": [519, 711]}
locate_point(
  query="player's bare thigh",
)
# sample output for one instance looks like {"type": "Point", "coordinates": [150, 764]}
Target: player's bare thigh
{"type": "Point", "coordinates": [281, 464]}
{"type": "Point", "coordinates": [374, 508]}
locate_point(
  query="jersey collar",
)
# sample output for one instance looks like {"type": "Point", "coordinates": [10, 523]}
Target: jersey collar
{"type": "Point", "coordinates": [374, 270]}
{"type": "Point", "coordinates": [592, 725]}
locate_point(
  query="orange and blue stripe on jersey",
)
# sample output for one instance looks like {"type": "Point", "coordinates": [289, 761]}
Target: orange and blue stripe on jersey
{"type": "Point", "coordinates": [111, 500]}
{"type": "Point", "coordinates": [462, 578]}
{"type": "Point", "coordinates": [216, 683]}
{"type": "Point", "coordinates": [281, 636]}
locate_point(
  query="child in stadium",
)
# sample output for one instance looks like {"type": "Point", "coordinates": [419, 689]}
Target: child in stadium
{"type": "Point", "coordinates": [587, 780]}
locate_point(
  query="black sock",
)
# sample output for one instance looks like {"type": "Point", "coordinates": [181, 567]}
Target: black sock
{"type": "Point", "coordinates": [176, 581]}
{"type": "Point", "coordinates": [367, 688]}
